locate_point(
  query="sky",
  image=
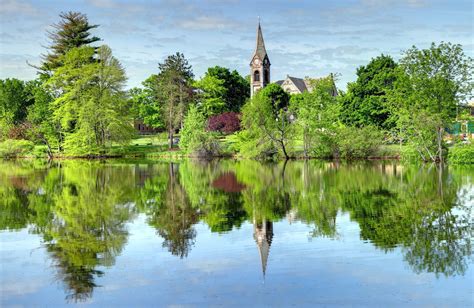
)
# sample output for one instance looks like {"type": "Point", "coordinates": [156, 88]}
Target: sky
{"type": "Point", "coordinates": [302, 38]}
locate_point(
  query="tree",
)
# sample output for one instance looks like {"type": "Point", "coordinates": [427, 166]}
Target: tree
{"type": "Point", "coordinates": [236, 88]}
{"type": "Point", "coordinates": [91, 108]}
{"type": "Point", "coordinates": [145, 106]}
{"type": "Point", "coordinates": [431, 84]}
{"type": "Point", "coordinates": [40, 117]}
{"type": "Point", "coordinates": [365, 100]}
{"type": "Point", "coordinates": [227, 122]}
{"type": "Point", "coordinates": [195, 139]}
{"type": "Point", "coordinates": [173, 92]}
{"type": "Point", "coordinates": [316, 117]}
{"type": "Point", "coordinates": [15, 98]}
{"type": "Point", "coordinates": [211, 99]}
{"type": "Point", "coordinates": [72, 31]}
{"type": "Point", "coordinates": [267, 121]}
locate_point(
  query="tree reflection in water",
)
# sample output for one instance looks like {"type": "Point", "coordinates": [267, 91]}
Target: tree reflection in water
{"type": "Point", "coordinates": [81, 208]}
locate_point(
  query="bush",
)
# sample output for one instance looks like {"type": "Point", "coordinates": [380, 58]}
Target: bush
{"type": "Point", "coordinates": [195, 140]}
{"type": "Point", "coordinates": [227, 122]}
{"type": "Point", "coordinates": [461, 154]}
{"type": "Point", "coordinates": [14, 148]}
{"type": "Point", "coordinates": [410, 153]}
{"type": "Point", "coordinates": [358, 142]}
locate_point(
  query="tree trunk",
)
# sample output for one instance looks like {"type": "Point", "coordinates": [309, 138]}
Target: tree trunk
{"type": "Point", "coordinates": [284, 150]}
{"type": "Point", "coordinates": [440, 144]}
{"type": "Point", "coordinates": [170, 135]}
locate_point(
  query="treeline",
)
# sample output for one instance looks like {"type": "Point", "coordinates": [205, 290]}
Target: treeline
{"type": "Point", "coordinates": [79, 105]}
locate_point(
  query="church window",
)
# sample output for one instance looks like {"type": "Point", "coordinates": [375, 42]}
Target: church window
{"type": "Point", "coordinates": [265, 76]}
{"type": "Point", "coordinates": [256, 76]}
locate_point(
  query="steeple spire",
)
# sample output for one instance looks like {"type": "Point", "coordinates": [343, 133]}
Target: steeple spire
{"type": "Point", "coordinates": [259, 64]}
{"type": "Point", "coordinates": [263, 235]}
{"type": "Point", "coordinates": [260, 50]}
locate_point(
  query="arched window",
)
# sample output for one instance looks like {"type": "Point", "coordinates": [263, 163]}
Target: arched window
{"type": "Point", "coordinates": [256, 76]}
{"type": "Point", "coordinates": [266, 78]}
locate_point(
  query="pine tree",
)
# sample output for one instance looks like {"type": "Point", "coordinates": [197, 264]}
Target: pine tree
{"type": "Point", "coordinates": [71, 32]}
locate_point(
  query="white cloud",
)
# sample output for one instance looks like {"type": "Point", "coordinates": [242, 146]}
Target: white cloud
{"type": "Point", "coordinates": [8, 7]}
{"type": "Point", "coordinates": [206, 23]}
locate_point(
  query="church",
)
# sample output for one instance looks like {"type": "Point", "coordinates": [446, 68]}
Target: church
{"type": "Point", "coordinates": [260, 72]}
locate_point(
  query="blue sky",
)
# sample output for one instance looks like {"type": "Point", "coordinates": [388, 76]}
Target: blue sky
{"type": "Point", "coordinates": [303, 38]}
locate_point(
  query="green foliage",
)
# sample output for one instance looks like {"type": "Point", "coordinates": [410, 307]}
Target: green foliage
{"type": "Point", "coordinates": [236, 88]}
{"type": "Point", "coordinates": [211, 100]}
{"type": "Point", "coordinates": [355, 142]}
{"type": "Point", "coordinates": [72, 31]}
{"type": "Point", "coordinates": [14, 148]}
{"type": "Point", "coordinates": [92, 110]}
{"type": "Point", "coordinates": [144, 105]}
{"type": "Point", "coordinates": [15, 98]}
{"type": "Point", "coordinates": [316, 115]}
{"type": "Point", "coordinates": [365, 102]}
{"type": "Point", "coordinates": [461, 154]}
{"type": "Point", "coordinates": [195, 139]}
{"type": "Point", "coordinates": [266, 119]}
{"type": "Point", "coordinates": [172, 92]}
{"type": "Point", "coordinates": [430, 85]}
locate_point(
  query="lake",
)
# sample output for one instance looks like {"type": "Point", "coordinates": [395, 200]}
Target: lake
{"type": "Point", "coordinates": [235, 233]}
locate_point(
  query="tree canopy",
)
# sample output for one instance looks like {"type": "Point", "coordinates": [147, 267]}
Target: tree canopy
{"type": "Point", "coordinates": [365, 102]}
{"type": "Point", "coordinates": [72, 31]}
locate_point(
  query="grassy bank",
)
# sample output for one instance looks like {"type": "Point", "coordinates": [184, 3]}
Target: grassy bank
{"type": "Point", "coordinates": [156, 146]}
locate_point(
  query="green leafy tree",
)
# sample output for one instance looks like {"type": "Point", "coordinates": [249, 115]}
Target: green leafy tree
{"type": "Point", "coordinates": [267, 122]}
{"type": "Point", "coordinates": [172, 89]}
{"type": "Point", "coordinates": [195, 139]}
{"type": "Point", "coordinates": [15, 98]}
{"type": "Point", "coordinates": [91, 108]}
{"type": "Point", "coordinates": [145, 106]}
{"type": "Point", "coordinates": [365, 102]}
{"type": "Point", "coordinates": [236, 87]}
{"type": "Point", "coordinates": [72, 31]}
{"type": "Point", "coordinates": [40, 117]}
{"type": "Point", "coordinates": [431, 84]}
{"type": "Point", "coordinates": [316, 115]}
{"type": "Point", "coordinates": [212, 97]}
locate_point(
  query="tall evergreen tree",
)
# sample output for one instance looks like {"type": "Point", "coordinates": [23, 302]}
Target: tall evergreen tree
{"type": "Point", "coordinates": [72, 31]}
{"type": "Point", "coordinates": [172, 88]}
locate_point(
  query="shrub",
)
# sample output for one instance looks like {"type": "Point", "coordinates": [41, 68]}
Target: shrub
{"type": "Point", "coordinates": [13, 148]}
{"type": "Point", "coordinates": [410, 153]}
{"type": "Point", "coordinates": [195, 140]}
{"type": "Point", "coordinates": [461, 154]}
{"type": "Point", "coordinates": [20, 131]}
{"type": "Point", "coordinates": [355, 142]}
{"type": "Point", "coordinates": [227, 122]}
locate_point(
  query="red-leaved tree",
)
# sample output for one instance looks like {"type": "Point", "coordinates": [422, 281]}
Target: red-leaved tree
{"type": "Point", "coordinates": [227, 122]}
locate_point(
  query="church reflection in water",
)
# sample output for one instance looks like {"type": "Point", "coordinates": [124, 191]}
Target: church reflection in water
{"type": "Point", "coordinates": [263, 235]}
{"type": "Point", "coordinates": [82, 211]}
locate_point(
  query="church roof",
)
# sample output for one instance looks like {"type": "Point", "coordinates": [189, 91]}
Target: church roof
{"type": "Point", "coordinates": [298, 82]}
{"type": "Point", "coordinates": [260, 50]}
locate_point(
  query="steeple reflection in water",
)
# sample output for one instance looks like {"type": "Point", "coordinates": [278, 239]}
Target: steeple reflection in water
{"type": "Point", "coordinates": [82, 210]}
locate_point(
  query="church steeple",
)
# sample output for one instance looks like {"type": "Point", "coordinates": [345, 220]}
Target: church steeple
{"type": "Point", "coordinates": [263, 235]}
{"type": "Point", "coordinates": [259, 65]}
{"type": "Point", "coordinates": [260, 50]}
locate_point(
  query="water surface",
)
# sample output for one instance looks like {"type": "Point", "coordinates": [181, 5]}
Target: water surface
{"type": "Point", "coordinates": [233, 233]}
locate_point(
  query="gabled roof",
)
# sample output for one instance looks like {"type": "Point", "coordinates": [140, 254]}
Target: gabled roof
{"type": "Point", "coordinates": [260, 50]}
{"type": "Point", "coordinates": [299, 83]}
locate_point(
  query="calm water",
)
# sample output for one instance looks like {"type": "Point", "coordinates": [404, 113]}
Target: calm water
{"type": "Point", "coordinates": [142, 233]}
